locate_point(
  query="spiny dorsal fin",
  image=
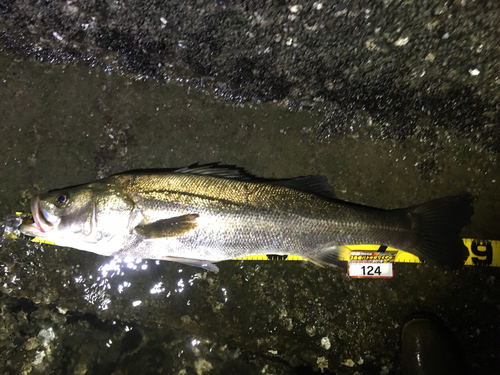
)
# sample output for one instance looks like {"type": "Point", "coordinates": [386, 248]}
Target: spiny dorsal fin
{"type": "Point", "coordinates": [217, 170]}
{"type": "Point", "coordinates": [310, 184]}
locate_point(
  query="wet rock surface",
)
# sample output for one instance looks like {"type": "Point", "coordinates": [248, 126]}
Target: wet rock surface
{"type": "Point", "coordinates": [395, 102]}
{"type": "Point", "coordinates": [409, 68]}
{"type": "Point", "coordinates": [99, 316]}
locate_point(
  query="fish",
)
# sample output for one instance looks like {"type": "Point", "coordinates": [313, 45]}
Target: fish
{"type": "Point", "coordinates": [203, 214]}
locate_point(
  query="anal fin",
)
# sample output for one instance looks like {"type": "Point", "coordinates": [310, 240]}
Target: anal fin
{"type": "Point", "coordinates": [333, 256]}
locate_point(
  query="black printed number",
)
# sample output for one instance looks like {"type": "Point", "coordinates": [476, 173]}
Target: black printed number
{"type": "Point", "coordinates": [371, 270]}
{"type": "Point", "coordinates": [483, 252]}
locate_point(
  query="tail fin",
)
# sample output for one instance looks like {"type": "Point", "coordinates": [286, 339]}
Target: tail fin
{"type": "Point", "coordinates": [439, 223]}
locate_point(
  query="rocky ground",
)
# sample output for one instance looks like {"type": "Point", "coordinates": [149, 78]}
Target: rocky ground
{"type": "Point", "coordinates": [395, 102]}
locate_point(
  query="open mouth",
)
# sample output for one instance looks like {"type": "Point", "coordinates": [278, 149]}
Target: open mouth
{"type": "Point", "coordinates": [42, 217]}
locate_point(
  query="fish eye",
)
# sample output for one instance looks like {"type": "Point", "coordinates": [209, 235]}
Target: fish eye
{"type": "Point", "coordinates": [62, 200]}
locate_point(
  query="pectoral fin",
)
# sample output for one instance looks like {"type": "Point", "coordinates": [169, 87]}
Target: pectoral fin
{"type": "Point", "coordinates": [171, 227]}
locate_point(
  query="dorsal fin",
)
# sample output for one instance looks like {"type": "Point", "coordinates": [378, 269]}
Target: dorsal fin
{"type": "Point", "coordinates": [217, 170]}
{"type": "Point", "coordinates": [310, 184]}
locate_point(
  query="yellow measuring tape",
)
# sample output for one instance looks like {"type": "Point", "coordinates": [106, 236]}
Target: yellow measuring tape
{"type": "Point", "coordinates": [481, 252]}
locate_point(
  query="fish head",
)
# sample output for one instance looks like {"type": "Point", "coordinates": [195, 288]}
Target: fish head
{"type": "Point", "coordinates": [85, 217]}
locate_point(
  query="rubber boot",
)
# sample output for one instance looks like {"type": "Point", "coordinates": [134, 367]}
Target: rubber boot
{"type": "Point", "coordinates": [429, 348]}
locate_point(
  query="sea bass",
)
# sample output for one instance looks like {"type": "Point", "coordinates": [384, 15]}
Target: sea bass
{"type": "Point", "coordinates": [200, 215]}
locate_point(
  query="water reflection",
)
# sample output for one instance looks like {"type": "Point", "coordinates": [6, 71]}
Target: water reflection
{"type": "Point", "coordinates": [113, 282]}
{"type": "Point", "coordinates": [115, 267]}
{"type": "Point", "coordinates": [180, 285]}
{"type": "Point", "coordinates": [119, 275]}
{"type": "Point", "coordinates": [97, 292]}
{"type": "Point", "coordinates": [157, 288]}
{"type": "Point", "coordinates": [125, 284]}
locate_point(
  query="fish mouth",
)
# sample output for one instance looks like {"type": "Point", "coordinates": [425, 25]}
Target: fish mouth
{"type": "Point", "coordinates": [44, 221]}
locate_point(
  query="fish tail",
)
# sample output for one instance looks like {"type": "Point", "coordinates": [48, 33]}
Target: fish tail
{"type": "Point", "coordinates": [438, 224]}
